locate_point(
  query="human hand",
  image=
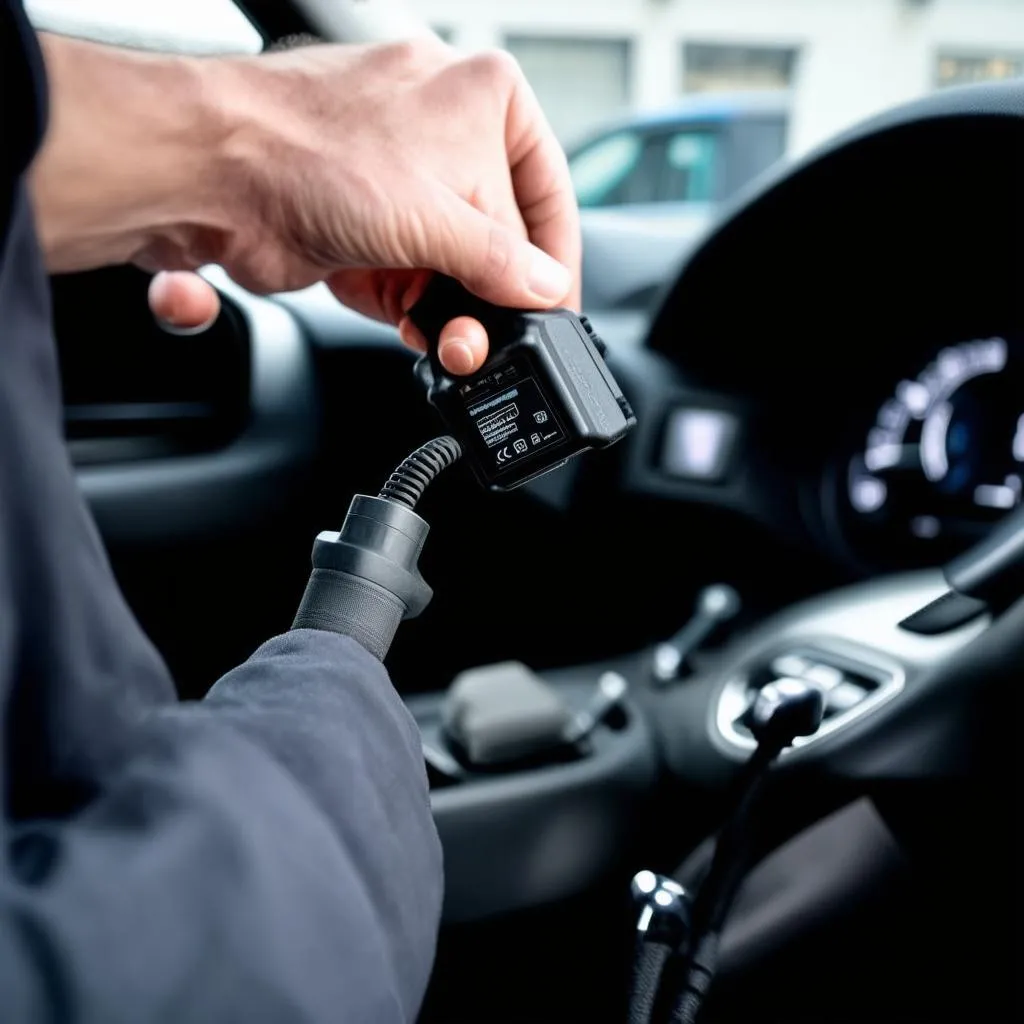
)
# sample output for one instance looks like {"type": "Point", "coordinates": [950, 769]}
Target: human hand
{"type": "Point", "coordinates": [367, 168]}
{"type": "Point", "coordinates": [183, 302]}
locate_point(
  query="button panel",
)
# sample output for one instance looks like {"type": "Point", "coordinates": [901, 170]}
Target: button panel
{"type": "Point", "coordinates": [850, 688]}
{"type": "Point", "coordinates": [825, 677]}
{"type": "Point", "coordinates": [843, 697]}
{"type": "Point", "coordinates": [791, 665]}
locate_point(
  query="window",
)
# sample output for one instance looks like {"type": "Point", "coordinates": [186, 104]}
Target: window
{"type": "Point", "coordinates": [712, 68]}
{"type": "Point", "coordinates": [689, 173]}
{"type": "Point", "coordinates": [189, 26]}
{"type": "Point", "coordinates": [653, 167]}
{"type": "Point", "coordinates": [579, 82]}
{"type": "Point", "coordinates": [599, 171]}
{"type": "Point", "coordinates": [953, 69]}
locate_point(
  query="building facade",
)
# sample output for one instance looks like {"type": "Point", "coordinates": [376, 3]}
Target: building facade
{"type": "Point", "coordinates": [841, 60]}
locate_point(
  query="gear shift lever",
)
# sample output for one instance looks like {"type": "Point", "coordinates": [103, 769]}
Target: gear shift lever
{"type": "Point", "coordinates": [716, 605]}
{"type": "Point", "coordinates": [663, 924]}
{"type": "Point", "coordinates": [611, 690]}
{"type": "Point", "coordinates": [783, 711]}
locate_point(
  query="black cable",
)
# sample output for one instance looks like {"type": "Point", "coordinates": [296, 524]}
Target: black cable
{"type": "Point", "coordinates": [408, 482]}
{"type": "Point", "coordinates": [648, 964]}
{"type": "Point", "coordinates": [729, 861]}
{"type": "Point", "coordinates": [701, 966]}
{"type": "Point", "coordinates": [718, 890]}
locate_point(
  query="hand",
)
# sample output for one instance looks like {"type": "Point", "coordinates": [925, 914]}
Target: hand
{"type": "Point", "coordinates": [183, 302]}
{"type": "Point", "coordinates": [365, 167]}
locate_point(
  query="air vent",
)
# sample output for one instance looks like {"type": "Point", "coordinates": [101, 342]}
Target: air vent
{"type": "Point", "coordinates": [133, 391]}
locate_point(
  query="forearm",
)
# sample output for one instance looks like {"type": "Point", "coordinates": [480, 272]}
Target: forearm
{"type": "Point", "coordinates": [131, 155]}
{"type": "Point", "coordinates": [361, 166]}
{"type": "Point", "coordinates": [273, 857]}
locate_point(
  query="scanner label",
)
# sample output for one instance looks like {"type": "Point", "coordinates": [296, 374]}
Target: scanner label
{"type": "Point", "coordinates": [515, 423]}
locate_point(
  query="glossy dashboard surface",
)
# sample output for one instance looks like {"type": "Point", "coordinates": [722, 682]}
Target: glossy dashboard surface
{"type": "Point", "coordinates": [865, 309]}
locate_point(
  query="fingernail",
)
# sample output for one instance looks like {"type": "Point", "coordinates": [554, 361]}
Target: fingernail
{"type": "Point", "coordinates": [158, 285]}
{"type": "Point", "coordinates": [184, 332]}
{"type": "Point", "coordinates": [457, 356]}
{"type": "Point", "coordinates": [548, 279]}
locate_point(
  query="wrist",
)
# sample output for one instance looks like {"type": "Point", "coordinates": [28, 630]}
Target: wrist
{"type": "Point", "coordinates": [131, 157]}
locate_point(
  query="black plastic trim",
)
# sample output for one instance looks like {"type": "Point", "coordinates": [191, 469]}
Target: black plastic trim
{"type": "Point", "coordinates": [163, 499]}
{"type": "Point", "coordinates": [526, 838]}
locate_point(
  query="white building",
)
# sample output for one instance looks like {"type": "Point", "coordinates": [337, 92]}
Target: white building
{"type": "Point", "coordinates": [841, 59]}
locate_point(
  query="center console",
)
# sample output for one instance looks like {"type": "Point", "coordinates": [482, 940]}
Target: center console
{"type": "Point", "coordinates": [538, 783]}
{"type": "Point", "coordinates": [543, 826]}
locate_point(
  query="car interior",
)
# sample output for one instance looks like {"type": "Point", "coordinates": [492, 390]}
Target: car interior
{"type": "Point", "coordinates": [829, 446]}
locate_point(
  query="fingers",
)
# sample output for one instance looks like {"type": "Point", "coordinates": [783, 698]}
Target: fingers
{"type": "Point", "coordinates": [389, 295]}
{"type": "Point", "coordinates": [381, 294]}
{"type": "Point", "coordinates": [492, 261]}
{"type": "Point", "coordinates": [543, 186]}
{"type": "Point", "coordinates": [484, 248]}
{"type": "Point", "coordinates": [183, 302]}
{"type": "Point", "coordinates": [463, 346]}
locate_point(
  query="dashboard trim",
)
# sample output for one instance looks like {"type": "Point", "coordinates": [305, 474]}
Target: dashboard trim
{"type": "Point", "coordinates": [861, 624]}
{"type": "Point", "coordinates": [183, 497]}
{"type": "Point", "coordinates": [731, 699]}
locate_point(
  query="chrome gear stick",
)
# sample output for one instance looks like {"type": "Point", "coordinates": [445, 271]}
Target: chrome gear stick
{"type": "Point", "coordinates": [676, 960]}
{"type": "Point", "coordinates": [716, 605]}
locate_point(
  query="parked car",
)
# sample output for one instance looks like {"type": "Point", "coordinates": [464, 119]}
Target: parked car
{"type": "Point", "coordinates": [684, 159]}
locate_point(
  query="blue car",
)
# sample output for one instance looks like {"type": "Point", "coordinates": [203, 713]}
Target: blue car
{"type": "Point", "coordinates": [681, 161]}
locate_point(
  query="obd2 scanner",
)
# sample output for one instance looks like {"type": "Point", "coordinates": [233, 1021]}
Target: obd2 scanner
{"type": "Point", "coordinates": [543, 396]}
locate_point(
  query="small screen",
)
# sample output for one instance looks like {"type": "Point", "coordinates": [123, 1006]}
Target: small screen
{"type": "Point", "coordinates": [512, 416]}
{"type": "Point", "coordinates": [698, 443]}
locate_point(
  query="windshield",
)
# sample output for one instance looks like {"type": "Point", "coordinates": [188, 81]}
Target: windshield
{"type": "Point", "coordinates": [663, 105]}
{"type": "Point", "coordinates": [682, 101]}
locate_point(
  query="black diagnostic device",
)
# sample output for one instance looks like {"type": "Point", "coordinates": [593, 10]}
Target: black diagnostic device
{"type": "Point", "coordinates": [544, 394]}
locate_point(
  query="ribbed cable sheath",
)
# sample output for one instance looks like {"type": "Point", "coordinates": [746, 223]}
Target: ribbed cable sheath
{"type": "Point", "coordinates": [407, 484]}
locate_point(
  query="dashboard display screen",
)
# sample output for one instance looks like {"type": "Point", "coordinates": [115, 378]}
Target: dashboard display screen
{"type": "Point", "coordinates": [698, 444]}
{"type": "Point", "coordinates": [944, 458]}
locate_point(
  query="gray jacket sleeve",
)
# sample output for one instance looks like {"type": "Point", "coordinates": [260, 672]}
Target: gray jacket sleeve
{"type": "Point", "coordinates": [271, 858]}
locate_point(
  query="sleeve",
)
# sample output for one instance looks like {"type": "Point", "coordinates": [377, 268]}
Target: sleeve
{"type": "Point", "coordinates": [273, 858]}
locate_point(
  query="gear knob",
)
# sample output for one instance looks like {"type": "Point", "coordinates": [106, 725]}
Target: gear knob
{"type": "Point", "coordinates": [785, 709]}
{"type": "Point", "coordinates": [663, 906]}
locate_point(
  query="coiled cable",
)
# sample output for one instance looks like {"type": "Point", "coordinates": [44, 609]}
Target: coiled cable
{"type": "Point", "coordinates": [408, 482]}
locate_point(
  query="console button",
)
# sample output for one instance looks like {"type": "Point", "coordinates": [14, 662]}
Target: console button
{"type": "Point", "coordinates": [790, 665]}
{"type": "Point", "coordinates": [825, 677]}
{"type": "Point", "coordinates": [844, 696]}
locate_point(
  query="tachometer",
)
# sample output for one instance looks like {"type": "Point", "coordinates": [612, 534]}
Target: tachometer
{"type": "Point", "coordinates": [945, 456]}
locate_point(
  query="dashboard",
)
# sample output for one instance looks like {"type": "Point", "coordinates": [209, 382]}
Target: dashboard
{"type": "Point", "coordinates": [852, 332]}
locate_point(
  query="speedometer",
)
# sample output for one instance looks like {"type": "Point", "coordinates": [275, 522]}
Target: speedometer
{"type": "Point", "coordinates": [945, 456]}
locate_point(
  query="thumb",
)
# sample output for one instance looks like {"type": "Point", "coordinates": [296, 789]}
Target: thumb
{"type": "Point", "coordinates": [183, 302]}
{"type": "Point", "coordinates": [497, 264]}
